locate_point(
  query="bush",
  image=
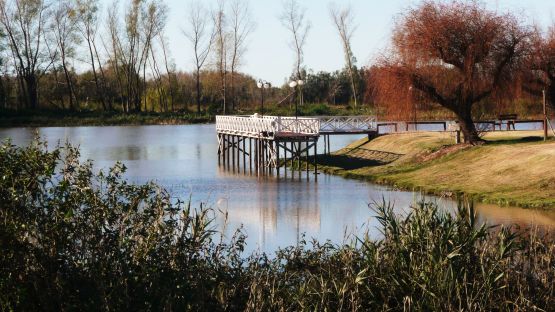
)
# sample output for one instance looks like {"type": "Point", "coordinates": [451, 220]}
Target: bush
{"type": "Point", "coordinates": [75, 240]}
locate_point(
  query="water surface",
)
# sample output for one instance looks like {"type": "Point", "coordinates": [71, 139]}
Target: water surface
{"type": "Point", "coordinates": [274, 212]}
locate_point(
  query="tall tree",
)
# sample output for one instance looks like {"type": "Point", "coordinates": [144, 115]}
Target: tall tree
{"type": "Point", "coordinates": [293, 18]}
{"type": "Point", "coordinates": [170, 69]}
{"type": "Point", "coordinates": [455, 54]}
{"type": "Point", "coordinates": [131, 47]}
{"type": "Point", "coordinates": [343, 20]}
{"type": "Point", "coordinates": [87, 24]}
{"type": "Point", "coordinates": [23, 23]}
{"type": "Point", "coordinates": [241, 25]}
{"type": "Point", "coordinates": [222, 44]}
{"type": "Point", "coordinates": [201, 37]}
{"type": "Point", "coordinates": [64, 31]}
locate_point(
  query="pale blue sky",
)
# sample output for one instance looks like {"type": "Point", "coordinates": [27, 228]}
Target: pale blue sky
{"type": "Point", "coordinates": [269, 57]}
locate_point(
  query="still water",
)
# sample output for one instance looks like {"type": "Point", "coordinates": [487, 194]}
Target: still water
{"type": "Point", "coordinates": [273, 212]}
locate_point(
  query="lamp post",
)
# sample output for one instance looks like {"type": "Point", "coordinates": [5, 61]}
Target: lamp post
{"type": "Point", "coordinates": [262, 85]}
{"type": "Point", "coordinates": [544, 116]}
{"type": "Point", "coordinates": [293, 84]}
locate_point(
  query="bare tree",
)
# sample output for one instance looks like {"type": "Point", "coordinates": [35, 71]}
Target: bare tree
{"type": "Point", "coordinates": [202, 38]}
{"type": "Point", "coordinates": [64, 31]}
{"type": "Point", "coordinates": [293, 18]}
{"type": "Point", "coordinates": [23, 23]}
{"type": "Point", "coordinates": [143, 23]}
{"type": "Point", "coordinates": [343, 19]}
{"type": "Point", "coordinates": [221, 42]}
{"type": "Point", "coordinates": [242, 25]}
{"type": "Point", "coordinates": [87, 23]}
{"type": "Point", "coordinates": [114, 51]}
{"type": "Point", "coordinates": [170, 69]}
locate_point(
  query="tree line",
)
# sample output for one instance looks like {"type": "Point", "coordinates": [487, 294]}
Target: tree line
{"type": "Point", "coordinates": [457, 56]}
{"type": "Point", "coordinates": [75, 54]}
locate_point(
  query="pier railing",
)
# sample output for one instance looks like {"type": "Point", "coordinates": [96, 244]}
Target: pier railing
{"type": "Point", "coordinates": [271, 126]}
{"type": "Point", "coordinates": [346, 124]}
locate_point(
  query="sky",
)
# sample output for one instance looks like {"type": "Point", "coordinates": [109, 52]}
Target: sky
{"type": "Point", "coordinates": [269, 57]}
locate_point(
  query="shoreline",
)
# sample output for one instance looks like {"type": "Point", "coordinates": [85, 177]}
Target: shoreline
{"type": "Point", "coordinates": [84, 119]}
{"type": "Point", "coordinates": [506, 171]}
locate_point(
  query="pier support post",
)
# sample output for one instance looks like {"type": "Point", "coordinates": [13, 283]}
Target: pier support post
{"type": "Point", "coordinates": [256, 163]}
{"type": "Point", "coordinates": [244, 156]}
{"type": "Point", "coordinates": [316, 160]}
{"type": "Point", "coordinates": [250, 155]}
{"type": "Point", "coordinates": [233, 152]}
{"type": "Point", "coordinates": [228, 147]}
{"type": "Point", "coordinates": [237, 146]}
{"type": "Point", "coordinates": [277, 157]}
{"type": "Point", "coordinates": [306, 157]}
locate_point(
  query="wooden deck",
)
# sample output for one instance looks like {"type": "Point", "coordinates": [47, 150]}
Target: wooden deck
{"type": "Point", "coordinates": [257, 141]}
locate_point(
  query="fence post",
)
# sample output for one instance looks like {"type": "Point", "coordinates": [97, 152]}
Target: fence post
{"type": "Point", "coordinates": [544, 116]}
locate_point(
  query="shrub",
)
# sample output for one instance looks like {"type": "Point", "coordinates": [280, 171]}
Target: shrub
{"type": "Point", "coordinates": [72, 239]}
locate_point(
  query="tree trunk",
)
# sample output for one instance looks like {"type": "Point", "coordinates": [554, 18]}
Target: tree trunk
{"type": "Point", "coordinates": [99, 94]}
{"type": "Point", "coordinates": [31, 88]}
{"type": "Point", "coordinates": [103, 90]}
{"type": "Point", "coordinates": [198, 92]}
{"type": "Point", "coordinates": [72, 98]}
{"type": "Point", "coordinates": [232, 88]}
{"type": "Point", "coordinates": [468, 128]}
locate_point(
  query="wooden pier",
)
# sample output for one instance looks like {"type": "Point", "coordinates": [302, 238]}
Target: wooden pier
{"type": "Point", "coordinates": [262, 145]}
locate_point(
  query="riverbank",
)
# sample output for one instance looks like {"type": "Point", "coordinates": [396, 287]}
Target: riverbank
{"type": "Point", "coordinates": [512, 168]}
{"type": "Point", "coordinates": [94, 118]}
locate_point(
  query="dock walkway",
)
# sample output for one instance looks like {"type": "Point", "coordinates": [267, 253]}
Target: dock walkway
{"type": "Point", "coordinates": [262, 144]}
{"type": "Point", "coordinates": [257, 142]}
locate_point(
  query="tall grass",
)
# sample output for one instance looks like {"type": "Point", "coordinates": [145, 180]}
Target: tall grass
{"type": "Point", "coordinates": [73, 239]}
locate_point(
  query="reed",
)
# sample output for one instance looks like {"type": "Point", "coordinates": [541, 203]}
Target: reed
{"type": "Point", "coordinates": [73, 239]}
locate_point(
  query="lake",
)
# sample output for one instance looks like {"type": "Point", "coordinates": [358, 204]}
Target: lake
{"type": "Point", "coordinates": [274, 212]}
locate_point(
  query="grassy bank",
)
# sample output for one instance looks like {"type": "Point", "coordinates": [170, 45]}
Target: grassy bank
{"type": "Point", "coordinates": [76, 240]}
{"type": "Point", "coordinates": [512, 168]}
{"type": "Point", "coordinates": [47, 118]}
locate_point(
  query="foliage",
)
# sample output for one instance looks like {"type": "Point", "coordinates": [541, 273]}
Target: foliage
{"type": "Point", "coordinates": [73, 239]}
{"type": "Point", "coordinates": [455, 54]}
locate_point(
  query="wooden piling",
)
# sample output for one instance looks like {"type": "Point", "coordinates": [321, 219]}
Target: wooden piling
{"type": "Point", "coordinates": [306, 158]}
{"type": "Point", "coordinates": [256, 163]}
{"type": "Point", "coordinates": [316, 160]}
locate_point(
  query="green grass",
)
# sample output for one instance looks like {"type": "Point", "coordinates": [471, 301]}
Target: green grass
{"type": "Point", "coordinates": [512, 168]}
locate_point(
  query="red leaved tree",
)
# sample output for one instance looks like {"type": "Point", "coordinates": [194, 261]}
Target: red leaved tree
{"type": "Point", "coordinates": [542, 65]}
{"type": "Point", "coordinates": [455, 54]}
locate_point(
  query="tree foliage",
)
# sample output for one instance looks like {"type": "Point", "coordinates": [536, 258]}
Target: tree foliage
{"type": "Point", "coordinates": [456, 54]}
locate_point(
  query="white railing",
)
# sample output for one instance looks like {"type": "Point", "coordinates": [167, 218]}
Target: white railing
{"type": "Point", "coordinates": [267, 125]}
{"type": "Point", "coordinates": [347, 123]}
{"type": "Point", "coordinates": [302, 125]}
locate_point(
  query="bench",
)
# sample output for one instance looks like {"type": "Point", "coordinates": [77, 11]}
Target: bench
{"type": "Point", "coordinates": [508, 119]}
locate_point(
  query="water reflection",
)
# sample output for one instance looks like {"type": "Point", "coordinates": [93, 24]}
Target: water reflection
{"type": "Point", "coordinates": [274, 212]}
